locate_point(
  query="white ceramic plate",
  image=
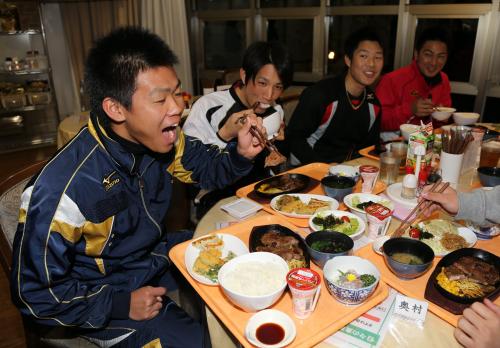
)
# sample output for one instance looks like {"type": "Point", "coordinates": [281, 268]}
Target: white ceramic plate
{"type": "Point", "coordinates": [338, 214]}
{"type": "Point", "coordinates": [378, 243]}
{"type": "Point", "coordinates": [394, 193]}
{"type": "Point", "coordinates": [305, 198]}
{"type": "Point", "coordinates": [270, 316]}
{"type": "Point", "coordinates": [365, 197]}
{"type": "Point", "coordinates": [231, 243]}
{"type": "Point", "coordinates": [469, 236]}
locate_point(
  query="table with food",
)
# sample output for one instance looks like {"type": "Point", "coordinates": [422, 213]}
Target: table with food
{"type": "Point", "coordinates": [329, 255]}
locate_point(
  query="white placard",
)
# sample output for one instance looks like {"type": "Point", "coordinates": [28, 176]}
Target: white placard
{"type": "Point", "coordinates": [410, 309]}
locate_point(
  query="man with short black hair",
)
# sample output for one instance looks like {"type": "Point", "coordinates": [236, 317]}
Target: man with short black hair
{"type": "Point", "coordinates": [338, 116]}
{"type": "Point", "coordinates": [265, 73]}
{"type": "Point", "coordinates": [91, 249]}
{"type": "Point", "coordinates": [410, 94]}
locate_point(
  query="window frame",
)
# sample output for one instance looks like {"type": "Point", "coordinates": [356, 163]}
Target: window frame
{"type": "Point", "coordinates": [485, 70]}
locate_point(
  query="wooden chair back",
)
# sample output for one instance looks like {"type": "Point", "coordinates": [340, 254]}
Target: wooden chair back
{"type": "Point", "coordinates": [10, 200]}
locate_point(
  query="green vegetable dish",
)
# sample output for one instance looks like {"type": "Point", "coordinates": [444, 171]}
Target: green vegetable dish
{"type": "Point", "coordinates": [342, 224]}
{"type": "Point", "coordinates": [327, 246]}
{"type": "Point", "coordinates": [356, 203]}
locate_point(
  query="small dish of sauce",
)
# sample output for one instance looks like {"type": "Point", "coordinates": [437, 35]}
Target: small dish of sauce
{"type": "Point", "coordinates": [270, 328]}
{"type": "Point", "coordinates": [270, 333]}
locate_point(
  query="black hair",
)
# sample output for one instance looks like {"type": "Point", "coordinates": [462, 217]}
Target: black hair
{"type": "Point", "coordinates": [115, 61]}
{"type": "Point", "coordinates": [355, 38]}
{"type": "Point", "coordinates": [261, 53]}
{"type": "Point", "coordinates": [435, 33]}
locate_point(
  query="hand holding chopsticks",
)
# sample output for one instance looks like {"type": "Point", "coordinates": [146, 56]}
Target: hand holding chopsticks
{"type": "Point", "coordinates": [421, 207]}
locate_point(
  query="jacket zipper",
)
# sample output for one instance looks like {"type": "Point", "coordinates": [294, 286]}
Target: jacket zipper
{"type": "Point", "coordinates": [141, 188]}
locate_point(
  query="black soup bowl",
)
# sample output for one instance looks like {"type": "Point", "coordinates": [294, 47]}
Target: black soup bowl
{"type": "Point", "coordinates": [408, 246]}
{"type": "Point", "coordinates": [489, 176]}
{"type": "Point", "coordinates": [337, 186]}
{"type": "Point", "coordinates": [328, 244]}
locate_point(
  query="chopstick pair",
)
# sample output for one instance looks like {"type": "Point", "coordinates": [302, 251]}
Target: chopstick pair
{"type": "Point", "coordinates": [420, 208]}
{"type": "Point", "coordinates": [257, 133]}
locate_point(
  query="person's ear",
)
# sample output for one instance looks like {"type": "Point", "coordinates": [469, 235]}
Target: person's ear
{"type": "Point", "coordinates": [242, 75]}
{"type": "Point", "coordinates": [347, 61]}
{"type": "Point", "coordinates": [113, 109]}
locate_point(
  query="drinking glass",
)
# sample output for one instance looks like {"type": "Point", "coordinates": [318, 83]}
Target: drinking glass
{"type": "Point", "coordinates": [389, 167]}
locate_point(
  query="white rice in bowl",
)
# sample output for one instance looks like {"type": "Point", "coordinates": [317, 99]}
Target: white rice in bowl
{"type": "Point", "coordinates": [254, 278]}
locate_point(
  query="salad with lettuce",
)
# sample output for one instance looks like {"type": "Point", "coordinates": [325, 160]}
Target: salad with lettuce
{"type": "Point", "coordinates": [356, 202]}
{"type": "Point", "coordinates": [342, 224]}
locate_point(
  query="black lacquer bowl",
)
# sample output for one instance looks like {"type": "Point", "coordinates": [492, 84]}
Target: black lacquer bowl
{"type": "Point", "coordinates": [258, 233]}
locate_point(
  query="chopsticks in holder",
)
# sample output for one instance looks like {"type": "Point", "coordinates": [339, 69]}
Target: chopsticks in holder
{"type": "Point", "coordinates": [456, 141]}
{"type": "Point", "coordinates": [421, 206]}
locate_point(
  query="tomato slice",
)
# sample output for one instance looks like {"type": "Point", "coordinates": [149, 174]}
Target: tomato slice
{"type": "Point", "coordinates": [414, 233]}
{"type": "Point", "coordinates": [345, 219]}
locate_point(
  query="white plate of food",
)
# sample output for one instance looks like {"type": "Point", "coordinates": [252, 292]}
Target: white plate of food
{"type": "Point", "coordinates": [357, 202]}
{"type": "Point", "coordinates": [338, 220]}
{"type": "Point", "coordinates": [205, 255]}
{"type": "Point", "coordinates": [302, 205]}
{"type": "Point", "coordinates": [442, 236]}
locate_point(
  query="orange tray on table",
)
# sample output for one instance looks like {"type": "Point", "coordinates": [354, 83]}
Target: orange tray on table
{"type": "Point", "coordinates": [315, 171]}
{"type": "Point", "coordinates": [328, 317]}
{"type": "Point", "coordinates": [416, 287]}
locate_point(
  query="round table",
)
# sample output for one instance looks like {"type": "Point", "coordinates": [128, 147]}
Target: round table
{"type": "Point", "coordinates": [434, 333]}
{"type": "Point", "coordinates": [69, 127]}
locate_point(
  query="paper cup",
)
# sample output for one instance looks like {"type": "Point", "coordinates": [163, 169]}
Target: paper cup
{"type": "Point", "coordinates": [369, 176]}
{"type": "Point", "coordinates": [450, 165]}
{"type": "Point", "coordinates": [304, 284]}
{"type": "Point", "coordinates": [379, 218]}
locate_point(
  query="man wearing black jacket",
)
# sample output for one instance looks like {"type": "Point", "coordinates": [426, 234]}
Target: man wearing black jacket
{"type": "Point", "coordinates": [338, 116]}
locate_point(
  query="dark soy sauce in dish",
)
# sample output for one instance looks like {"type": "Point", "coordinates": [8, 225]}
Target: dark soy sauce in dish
{"type": "Point", "coordinates": [270, 333]}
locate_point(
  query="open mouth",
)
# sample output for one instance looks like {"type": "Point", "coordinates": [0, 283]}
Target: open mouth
{"type": "Point", "coordinates": [171, 128]}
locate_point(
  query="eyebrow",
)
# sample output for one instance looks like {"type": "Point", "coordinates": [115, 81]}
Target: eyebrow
{"type": "Point", "coordinates": [363, 50]}
{"type": "Point", "coordinates": [168, 90]}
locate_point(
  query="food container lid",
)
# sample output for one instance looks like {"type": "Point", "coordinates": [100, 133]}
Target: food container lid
{"type": "Point", "coordinates": [303, 279]}
{"type": "Point", "coordinates": [241, 208]}
{"type": "Point", "coordinates": [378, 210]}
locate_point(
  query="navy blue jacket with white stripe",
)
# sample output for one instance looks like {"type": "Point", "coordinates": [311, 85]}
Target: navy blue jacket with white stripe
{"type": "Point", "coordinates": [91, 230]}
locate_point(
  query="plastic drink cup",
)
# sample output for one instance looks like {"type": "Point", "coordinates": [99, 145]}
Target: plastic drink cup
{"type": "Point", "coordinates": [304, 284]}
{"type": "Point", "coordinates": [378, 217]}
{"type": "Point", "coordinates": [399, 150]}
{"type": "Point", "coordinates": [369, 175]}
{"type": "Point", "coordinates": [490, 154]}
{"type": "Point", "coordinates": [389, 167]}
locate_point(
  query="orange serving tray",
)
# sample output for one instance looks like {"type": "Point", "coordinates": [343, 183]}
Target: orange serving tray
{"type": "Point", "coordinates": [328, 317]}
{"type": "Point", "coordinates": [366, 153]}
{"type": "Point", "coordinates": [416, 287]}
{"type": "Point", "coordinates": [315, 171]}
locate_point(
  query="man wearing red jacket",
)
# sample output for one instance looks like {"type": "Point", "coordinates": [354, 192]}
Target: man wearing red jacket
{"type": "Point", "coordinates": [409, 94]}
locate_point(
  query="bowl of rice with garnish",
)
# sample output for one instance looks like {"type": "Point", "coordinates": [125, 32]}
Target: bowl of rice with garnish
{"type": "Point", "coordinates": [254, 281]}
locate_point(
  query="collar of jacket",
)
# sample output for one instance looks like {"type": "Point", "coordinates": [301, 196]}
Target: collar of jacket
{"type": "Point", "coordinates": [120, 155]}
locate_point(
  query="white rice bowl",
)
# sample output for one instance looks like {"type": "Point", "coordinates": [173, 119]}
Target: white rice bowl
{"type": "Point", "coordinates": [254, 281]}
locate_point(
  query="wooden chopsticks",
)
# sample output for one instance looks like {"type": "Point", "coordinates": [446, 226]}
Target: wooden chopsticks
{"type": "Point", "coordinates": [262, 139]}
{"type": "Point", "coordinates": [257, 133]}
{"type": "Point", "coordinates": [421, 206]}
